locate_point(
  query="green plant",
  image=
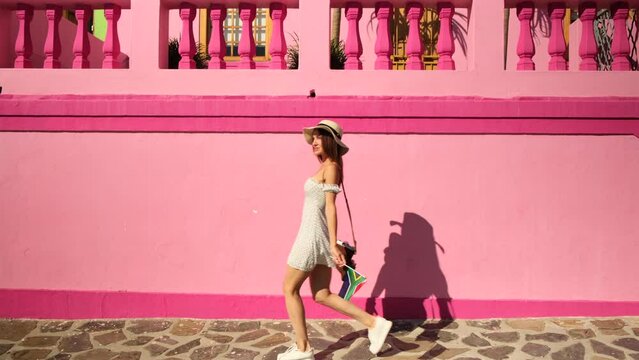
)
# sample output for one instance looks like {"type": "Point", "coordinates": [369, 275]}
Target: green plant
{"type": "Point", "coordinates": [338, 56]}
{"type": "Point", "coordinates": [174, 53]}
{"type": "Point", "coordinates": [201, 58]}
{"type": "Point", "coordinates": [293, 53]}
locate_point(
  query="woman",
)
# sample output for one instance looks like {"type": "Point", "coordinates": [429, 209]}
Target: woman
{"type": "Point", "coordinates": [315, 250]}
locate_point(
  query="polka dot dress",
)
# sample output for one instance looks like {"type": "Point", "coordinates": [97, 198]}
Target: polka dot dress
{"type": "Point", "coordinates": [311, 245]}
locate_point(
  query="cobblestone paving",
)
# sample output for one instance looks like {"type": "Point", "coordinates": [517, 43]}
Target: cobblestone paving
{"type": "Point", "coordinates": [132, 339]}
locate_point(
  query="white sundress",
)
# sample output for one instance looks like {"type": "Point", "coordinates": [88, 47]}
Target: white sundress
{"type": "Point", "coordinates": [311, 246]}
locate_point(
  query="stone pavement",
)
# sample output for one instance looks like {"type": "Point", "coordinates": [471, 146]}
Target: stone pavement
{"type": "Point", "coordinates": [557, 339]}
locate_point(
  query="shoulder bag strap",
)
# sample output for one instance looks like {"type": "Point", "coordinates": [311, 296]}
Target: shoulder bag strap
{"type": "Point", "coordinates": [350, 217]}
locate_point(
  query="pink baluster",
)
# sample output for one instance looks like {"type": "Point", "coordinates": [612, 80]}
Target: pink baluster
{"type": "Point", "coordinates": [111, 46]}
{"type": "Point", "coordinates": [217, 43]}
{"type": "Point", "coordinates": [278, 42]}
{"type": "Point", "coordinates": [445, 43]}
{"type": "Point", "coordinates": [525, 45]}
{"type": "Point", "coordinates": [353, 47]}
{"type": "Point", "coordinates": [588, 45]}
{"type": "Point", "coordinates": [24, 46]}
{"type": "Point", "coordinates": [414, 45]}
{"type": "Point", "coordinates": [557, 43]}
{"type": "Point", "coordinates": [81, 45]}
{"type": "Point", "coordinates": [52, 43]}
{"type": "Point", "coordinates": [620, 48]}
{"type": "Point", "coordinates": [383, 11]}
{"type": "Point", "coordinates": [247, 41]}
{"type": "Point", "coordinates": [187, 41]}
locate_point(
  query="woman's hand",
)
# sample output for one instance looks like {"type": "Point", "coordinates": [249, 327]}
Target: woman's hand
{"type": "Point", "coordinates": [338, 253]}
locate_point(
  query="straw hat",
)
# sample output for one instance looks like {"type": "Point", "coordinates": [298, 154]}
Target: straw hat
{"type": "Point", "coordinates": [333, 128]}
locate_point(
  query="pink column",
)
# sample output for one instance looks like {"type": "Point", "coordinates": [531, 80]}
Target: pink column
{"type": "Point", "coordinates": [247, 41]}
{"type": "Point", "coordinates": [525, 45]}
{"type": "Point", "coordinates": [217, 43]}
{"type": "Point", "coordinates": [445, 43]}
{"type": "Point", "coordinates": [81, 46]}
{"type": "Point", "coordinates": [353, 47]}
{"type": "Point", "coordinates": [620, 48]}
{"type": "Point", "coordinates": [278, 42]}
{"type": "Point", "coordinates": [24, 47]}
{"type": "Point", "coordinates": [588, 45]}
{"type": "Point", "coordinates": [414, 45]}
{"type": "Point", "coordinates": [383, 12]}
{"type": "Point", "coordinates": [187, 41]}
{"type": "Point", "coordinates": [557, 43]}
{"type": "Point", "coordinates": [111, 46]}
{"type": "Point", "coordinates": [52, 43]}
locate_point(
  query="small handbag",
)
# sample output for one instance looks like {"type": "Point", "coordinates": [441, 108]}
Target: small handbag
{"type": "Point", "coordinates": [352, 280]}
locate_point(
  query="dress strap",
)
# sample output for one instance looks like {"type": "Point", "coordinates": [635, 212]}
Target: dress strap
{"type": "Point", "coordinates": [334, 188]}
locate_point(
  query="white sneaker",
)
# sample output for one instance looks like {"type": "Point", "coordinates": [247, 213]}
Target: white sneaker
{"type": "Point", "coordinates": [377, 335]}
{"type": "Point", "coordinates": [293, 353]}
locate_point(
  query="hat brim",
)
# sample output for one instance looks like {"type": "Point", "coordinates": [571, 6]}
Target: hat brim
{"type": "Point", "coordinates": [308, 135]}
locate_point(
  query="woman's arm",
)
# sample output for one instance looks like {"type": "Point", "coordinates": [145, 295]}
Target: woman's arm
{"type": "Point", "coordinates": [331, 176]}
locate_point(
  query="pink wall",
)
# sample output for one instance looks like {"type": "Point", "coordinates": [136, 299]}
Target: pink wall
{"type": "Point", "coordinates": [518, 217]}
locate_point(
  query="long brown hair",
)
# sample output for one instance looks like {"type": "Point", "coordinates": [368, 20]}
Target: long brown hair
{"type": "Point", "coordinates": [332, 151]}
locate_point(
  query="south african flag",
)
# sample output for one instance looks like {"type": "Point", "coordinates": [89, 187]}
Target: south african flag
{"type": "Point", "coordinates": [352, 281]}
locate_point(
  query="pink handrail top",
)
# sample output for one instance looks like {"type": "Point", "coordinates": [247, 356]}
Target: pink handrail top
{"type": "Point", "coordinates": [42, 4]}
{"type": "Point", "coordinates": [402, 3]}
{"type": "Point", "coordinates": [175, 4]}
{"type": "Point", "coordinates": [571, 3]}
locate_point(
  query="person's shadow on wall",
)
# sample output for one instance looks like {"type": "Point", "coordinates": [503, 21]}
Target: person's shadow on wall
{"type": "Point", "coordinates": [410, 278]}
{"type": "Point", "coordinates": [411, 274]}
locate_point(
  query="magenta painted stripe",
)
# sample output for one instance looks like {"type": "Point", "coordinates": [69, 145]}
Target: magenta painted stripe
{"type": "Point", "coordinates": [388, 125]}
{"type": "Point", "coordinates": [302, 107]}
{"type": "Point", "coordinates": [290, 114]}
{"type": "Point", "coordinates": [58, 304]}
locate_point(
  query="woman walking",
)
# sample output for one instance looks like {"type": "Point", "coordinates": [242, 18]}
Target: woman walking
{"type": "Point", "coordinates": [315, 250]}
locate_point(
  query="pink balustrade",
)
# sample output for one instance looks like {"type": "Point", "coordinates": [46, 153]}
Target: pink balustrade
{"type": "Point", "coordinates": [51, 49]}
{"type": "Point", "coordinates": [531, 15]}
{"type": "Point", "coordinates": [557, 44]}
{"type": "Point", "coordinates": [81, 46]}
{"type": "Point", "coordinates": [52, 44]}
{"type": "Point", "coordinates": [111, 48]}
{"type": "Point", "coordinates": [383, 47]}
{"type": "Point", "coordinates": [414, 44]}
{"type": "Point", "coordinates": [620, 46]}
{"type": "Point", "coordinates": [187, 42]}
{"type": "Point", "coordinates": [367, 28]}
{"type": "Point", "coordinates": [353, 47]}
{"type": "Point", "coordinates": [247, 40]}
{"type": "Point", "coordinates": [445, 44]}
{"type": "Point", "coordinates": [525, 45]}
{"type": "Point", "coordinates": [588, 45]}
{"type": "Point", "coordinates": [278, 41]}
{"type": "Point", "coordinates": [217, 44]}
{"type": "Point", "coordinates": [24, 48]}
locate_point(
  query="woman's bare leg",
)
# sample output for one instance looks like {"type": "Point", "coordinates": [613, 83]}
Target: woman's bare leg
{"type": "Point", "coordinates": [320, 282]}
{"type": "Point", "coordinates": [293, 280]}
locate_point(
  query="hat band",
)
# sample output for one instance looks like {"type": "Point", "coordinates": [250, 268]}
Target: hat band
{"type": "Point", "coordinates": [324, 126]}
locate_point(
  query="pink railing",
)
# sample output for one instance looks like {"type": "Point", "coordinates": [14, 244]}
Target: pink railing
{"type": "Point", "coordinates": [414, 44]}
{"type": "Point", "coordinates": [217, 43]}
{"type": "Point", "coordinates": [557, 42]}
{"type": "Point", "coordinates": [353, 12]}
{"type": "Point", "coordinates": [481, 73]}
{"type": "Point", "coordinates": [24, 11]}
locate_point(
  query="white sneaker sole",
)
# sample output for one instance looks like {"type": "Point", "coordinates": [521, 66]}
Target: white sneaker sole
{"type": "Point", "coordinates": [386, 329]}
